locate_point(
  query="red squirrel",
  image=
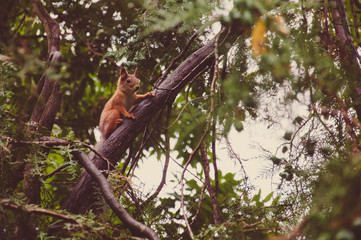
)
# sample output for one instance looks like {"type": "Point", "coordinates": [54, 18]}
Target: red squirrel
{"type": "Point", "coordinates": [122, 101]}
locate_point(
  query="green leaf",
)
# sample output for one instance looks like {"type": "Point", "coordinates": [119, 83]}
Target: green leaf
{"type": "Point", "coordinates": [298, 120]}
{"type": "Point", "coordinates": [288, 136]}
{"type": "Point", "coordinates": [256, 198]}
{"type": "Point", "coordinates": [275, 160]}
{"type": "Point", "coordinates": [238, 126]}
{"type": "Point", "coordinates": [268, 197]}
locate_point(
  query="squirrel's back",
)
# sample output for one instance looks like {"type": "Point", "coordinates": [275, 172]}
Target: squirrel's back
{"type": "Point", "coordinates": [119, 104]}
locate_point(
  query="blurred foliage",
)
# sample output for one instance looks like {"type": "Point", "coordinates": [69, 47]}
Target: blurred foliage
{"type": "Point", "coordinates": [287, 58]}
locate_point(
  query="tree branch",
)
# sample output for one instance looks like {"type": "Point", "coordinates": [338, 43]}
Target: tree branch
{"type": "Point", "coordinates": [56, 170]}
{"type": "Point", "coordinates": [171, 65]}
{"type": "Point", "coordinates": [182, 184]}
{"type": "Point", "coordinates": [51, 26]}
{"type": "Point", "coordinates": [357, 3]}
{"type": "Point", "coordinates": [213, 115]}
{"type": "Point", "coordinates": [199, 146]}
{"type": "Point", "coordinates": [36, 210]}
{"type": "Point", "coordinates": [350, 58]}
{"type": "Point", "coordinates": [214, 158]}
{"type": "Point", "coordinates": [199, 204]}
{"type": "Point", "coordinates": [354, 18]}
{"type": "Point", "coordinates": [205, 163]}
{"type": "Point", "coordinates": [50, 142]}
{"type": "Point", "coordinates": [166, 163]}
{"type": "Point", "coordinates": [135, 226]}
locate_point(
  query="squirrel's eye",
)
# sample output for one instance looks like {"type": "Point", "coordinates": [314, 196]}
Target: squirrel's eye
{"type": "Point", "coordinates": [128, 81]}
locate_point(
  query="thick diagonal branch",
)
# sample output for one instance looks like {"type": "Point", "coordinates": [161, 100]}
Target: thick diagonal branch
{"type": "Point", "coordinates": [81, 198]}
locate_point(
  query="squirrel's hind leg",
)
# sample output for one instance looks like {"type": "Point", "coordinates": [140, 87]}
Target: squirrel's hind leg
{"type": "Point", "coordinates": [110, 123]}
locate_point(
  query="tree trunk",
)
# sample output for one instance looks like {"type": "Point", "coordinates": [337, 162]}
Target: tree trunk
{"type": "Point", "coordinates": [47, 102]}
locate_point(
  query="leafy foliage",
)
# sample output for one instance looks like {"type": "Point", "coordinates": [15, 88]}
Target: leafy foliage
{"type": "Point", "coordinates": [289, 56]}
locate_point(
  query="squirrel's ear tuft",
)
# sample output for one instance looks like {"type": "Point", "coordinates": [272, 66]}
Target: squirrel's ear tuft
{"type": "Point", "coordinates": [136, 72]}
{"type": "Point", "coordinates": [123, 73]}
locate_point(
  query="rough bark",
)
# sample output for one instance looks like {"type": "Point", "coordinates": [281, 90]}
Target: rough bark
{"type": "Point", "coordinates": [81, 198]}
{"type": "Point", "coordinates": [51, 27]}
{"type": "Point", "coordinates": [47, 102]}
{"type": "Point", "coordinates": [348, 52]}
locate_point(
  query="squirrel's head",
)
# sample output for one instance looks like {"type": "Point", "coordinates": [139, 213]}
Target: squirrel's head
{"type": "Point", "coordinates": [128, 82]}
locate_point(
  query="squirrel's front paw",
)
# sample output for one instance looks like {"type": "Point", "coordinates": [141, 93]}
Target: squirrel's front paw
{"type": "Point", "coordinates": [119, 121]}
{"type": "Point", "coordinates": [150, 94]}
{"type": "Point", "coordinates": [131, 115]}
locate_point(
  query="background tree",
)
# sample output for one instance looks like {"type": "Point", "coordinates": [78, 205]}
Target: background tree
{"type": "Point", "coordinates": [57, 73]}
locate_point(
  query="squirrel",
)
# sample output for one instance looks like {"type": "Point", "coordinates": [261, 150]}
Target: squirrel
{"type": "Point", "coordinates": [122, 101]}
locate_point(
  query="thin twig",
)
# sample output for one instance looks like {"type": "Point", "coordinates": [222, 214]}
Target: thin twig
{"type": "Point", "coordinates": [21, 24]}
{"type": "Point", "coordinates": [178, 164]}
{"type": "Point", "coordinates": [214, 158]}
{"type": "Point", "coordinates": [201, 140]}
{"type": "Point", "coordinates": [41, 211]}
{"type": "Point", "coordinates": [95, 53]}
{"type": "Point", "coordinates": [184, 107]}
{"type": "Point", "coordinates": [205, 163]}
{"type": "Point", "coordinates": [357, 3]}
{"type": "Point", "coordinates": [129, 158]}
{"type": "Point", "coordinates": [97, 153]}
{"type": "Point", "coordinates": [169, 68]}
{"type": "Point", "coordinates": [232, 154]}
{"type": "Point", "coordinates": [49, 141]}
{"type": "Point", "coordinates": [201, 197]}
{"type": "Point", "coordinates": [14, 116]}
{"type": "Point", "coordinates": [213, 86]}
{"type": "Point", "coordinates": [354, 18]}
{"type": "Point", "coordinates": [182, 177]}
{"type": "Point", "coordinates": [325, 13]}
{"type": "Point", "coordinates": [167, 157]}
{"type": "Point", "coordinates": [344, 110]}
{"type": "Point", "coordinates": [146, 137]}
{"type": "Point", "coordinates": [56, 170]}
{"type": "Point", "coordinates": [199, 204]}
